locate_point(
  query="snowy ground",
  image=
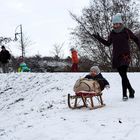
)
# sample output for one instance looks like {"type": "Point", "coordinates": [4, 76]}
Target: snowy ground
{"type": "Point", "coordinates": [34, 107]}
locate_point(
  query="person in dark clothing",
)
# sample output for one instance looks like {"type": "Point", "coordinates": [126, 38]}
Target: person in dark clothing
{"type": "Point", "coordinates": [120, 37]}
{"type": "Point", "coordinates": [95, 74]}
{"type": "Point", "coordinates": [4, 59]}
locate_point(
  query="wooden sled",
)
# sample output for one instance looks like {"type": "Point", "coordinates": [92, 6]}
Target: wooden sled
{"type": "Point", "coordinates": [85, 99]}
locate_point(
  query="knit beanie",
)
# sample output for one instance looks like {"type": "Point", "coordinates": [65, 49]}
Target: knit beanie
{"type": "Point", "coordinates": [117, 18]}
{"type": "Point", "coordinates": [2, 47]}
{"type": "Point", "coordinates": [95, 68]}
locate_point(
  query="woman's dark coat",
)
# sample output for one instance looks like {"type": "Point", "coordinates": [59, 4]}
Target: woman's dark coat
{"type": "Point", "coordinates": [121, 48]}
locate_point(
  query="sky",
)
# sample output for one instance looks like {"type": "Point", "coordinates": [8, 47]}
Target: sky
{"type": "Point", "coordinates": [44, 22]}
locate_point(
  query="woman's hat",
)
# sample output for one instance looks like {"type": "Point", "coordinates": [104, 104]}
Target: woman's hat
{"type": "Point", "coordinates": [117, 18]}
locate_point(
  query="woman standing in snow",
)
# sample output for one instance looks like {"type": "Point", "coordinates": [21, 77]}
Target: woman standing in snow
{"type": "Point", "coordinates": [119, 37]}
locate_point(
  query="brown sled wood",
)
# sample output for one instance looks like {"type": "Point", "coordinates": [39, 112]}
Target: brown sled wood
{"type": "Point", "coordinates": [72, 102]}
{"type": "Point", "coordinates": [86, 100]}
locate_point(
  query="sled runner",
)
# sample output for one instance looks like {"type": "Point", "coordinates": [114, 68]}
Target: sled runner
{"type": "Point", "coordinates": [89, 100]}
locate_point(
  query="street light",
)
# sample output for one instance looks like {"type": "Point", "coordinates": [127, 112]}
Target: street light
{"type": "Point", "coordinates": [21, 38]}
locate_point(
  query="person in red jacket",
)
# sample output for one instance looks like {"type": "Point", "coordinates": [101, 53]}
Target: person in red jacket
{"type": "Point", "coordinates": [75, 60]}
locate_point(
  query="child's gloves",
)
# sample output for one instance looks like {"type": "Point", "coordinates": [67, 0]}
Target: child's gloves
{"type": "Point", "coordinates": [107, 87]}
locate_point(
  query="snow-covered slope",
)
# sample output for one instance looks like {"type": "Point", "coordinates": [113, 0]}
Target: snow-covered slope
{"type": "Point", "coordinates": [33, 106]}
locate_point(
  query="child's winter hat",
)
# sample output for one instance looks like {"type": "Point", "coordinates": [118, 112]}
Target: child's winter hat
{"type": "Point", "coordinates": [117, 18]}
{"type": "Point", "coordinates": [95, 68]}
{"type": "Point", "coordinates": [72, 49]}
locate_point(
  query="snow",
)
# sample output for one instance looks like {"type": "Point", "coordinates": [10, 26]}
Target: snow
{"type": "Point", "coordinates": [33, 106]}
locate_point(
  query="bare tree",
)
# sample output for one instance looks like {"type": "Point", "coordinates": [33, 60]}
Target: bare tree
{"type": "Point", "coordinates": [26, 42]}
{"type": "Point", "coordinates": [57, 51]}
{"type": "Point", "coordinates": [5, 40]}
{"type": "Point", "coordinates": [97, 18]}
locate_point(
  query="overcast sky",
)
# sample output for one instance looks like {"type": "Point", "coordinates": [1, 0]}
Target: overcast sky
{"type": "Point", "coordinates": [45, 22]}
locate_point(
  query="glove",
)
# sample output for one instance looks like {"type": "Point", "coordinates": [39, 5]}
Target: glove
{"type": "Point", "coordinates": [96, 35]}
{"type": "Point", "coordinates": [107, 87]}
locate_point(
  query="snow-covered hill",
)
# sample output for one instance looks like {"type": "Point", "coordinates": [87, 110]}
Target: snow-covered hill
{"type": "Point", "coordinates": [33, 106]}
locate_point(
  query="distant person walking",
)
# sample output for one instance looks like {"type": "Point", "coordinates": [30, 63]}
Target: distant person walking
{"type": "Point", "coordinates": [4, 59]}
{"type": "Point", "coordinates": [75, 60]}
{"type": "Point", "coordinates": [119, 37]}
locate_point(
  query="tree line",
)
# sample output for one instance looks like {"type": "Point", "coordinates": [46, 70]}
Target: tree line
{"type": "Point", "coordinates": [97, 18]}
{"type": "Point", "coordinates": [94, 18]}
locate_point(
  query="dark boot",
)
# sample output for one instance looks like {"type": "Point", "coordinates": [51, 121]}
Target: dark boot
{"type": "Point", "coordinates": [131, 93]}
{"type": "Point", "coordinates": [125, 98]}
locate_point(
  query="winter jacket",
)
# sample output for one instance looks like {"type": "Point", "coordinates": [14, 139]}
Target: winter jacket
{"type": "Point", "coordinates": [23, 68]}
{"type": "Point", "coordinates": [75, 57]}
{"type": "Point", "coordinates": [121, 46]}
{"type": "Point", "coordinates": [4, 56]}
{"type": "Point", "coordinates": [100, 79]}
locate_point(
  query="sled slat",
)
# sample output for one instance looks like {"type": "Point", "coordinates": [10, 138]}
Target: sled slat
{"type": "Point", "coordinates": [86, 99]}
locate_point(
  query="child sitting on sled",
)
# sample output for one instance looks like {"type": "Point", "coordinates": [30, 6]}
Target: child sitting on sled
{"type": "Point", "coordinates": [95, 74]}
{"type": "Point", "coordinates": [87, 88]}
{"type": "Point", "coordinates": [93, 82]}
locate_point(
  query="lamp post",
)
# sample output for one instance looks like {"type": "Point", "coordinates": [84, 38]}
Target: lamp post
{"type": "Point", "coordinates": [21, 38]}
